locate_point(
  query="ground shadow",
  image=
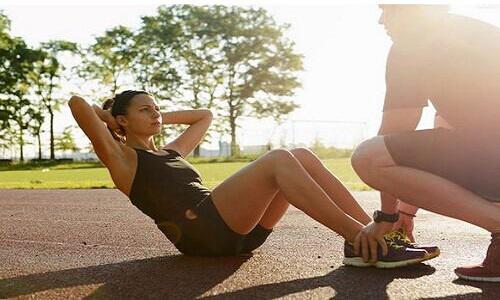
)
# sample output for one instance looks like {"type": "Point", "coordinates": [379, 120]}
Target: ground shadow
{"type": "Point", "coordinates": [178, 276]}
{"type": "Point", "coordinates": [489, 290]}
{"type": "Point", "coordinates": [184, 277]}
{"type": "Point", "coordinates": [348, 283]}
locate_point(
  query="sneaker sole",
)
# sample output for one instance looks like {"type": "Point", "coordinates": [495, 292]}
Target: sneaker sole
{"type": "Point", "coordinates": [482, 279]}
{"type": "Point", "coordinates": [431, 255]}
{"type": "Point", "coordinates": [397, 264]}
{"type": "Point", "coordinates": [358, 262]}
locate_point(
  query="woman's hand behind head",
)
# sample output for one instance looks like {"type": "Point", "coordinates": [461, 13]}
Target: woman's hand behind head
{"type": "Point", "coordinates": [107, 117]}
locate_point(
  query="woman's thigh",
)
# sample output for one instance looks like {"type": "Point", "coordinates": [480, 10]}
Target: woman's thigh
{"type": "Point", "coordinates": [243, 198]}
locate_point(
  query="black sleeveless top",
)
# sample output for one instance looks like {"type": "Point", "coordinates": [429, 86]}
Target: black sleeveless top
{"type": "Point", "coordinates": [164, 187]}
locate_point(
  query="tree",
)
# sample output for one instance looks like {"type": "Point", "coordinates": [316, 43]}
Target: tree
{"type": "Point", "coordinates": [16, 78]}
{"type": "Point", "coordinates": [47, 74]}
{"type": "Point", "coordinates": [6, 134]}
{"type": "Point", "coordinates": [7, 139]}
{"type": "Point", "coordinates": [155, 64]}
{"type": "Point", "coordinates": [198, 56]}
{"type": "Point", "coordinates": [175, 38]}
{"type": "Point", "coordinates": [4, 29]}
{"type": "Point", "coordinates": [36, 129]}
{"type": "Point", "coordinates": [110, 57]}
{"type": "Point", "coordinates": [65, 142]}
{"type": "Point", "coordinates": [258, 64]}
{"type": "Point", "coordinates": [233, 60]}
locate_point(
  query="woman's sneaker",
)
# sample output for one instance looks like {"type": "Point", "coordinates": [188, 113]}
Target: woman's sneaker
{"type": "Point", "coordinates": [401, 238]}
{"type": "Point", "coordinates": [489, 270]}
{"type": "Point", "coordinates": [397, 256]}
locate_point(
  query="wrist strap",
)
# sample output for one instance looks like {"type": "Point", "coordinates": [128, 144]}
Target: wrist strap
{"type": "Point", "coordinates": [407, 214]}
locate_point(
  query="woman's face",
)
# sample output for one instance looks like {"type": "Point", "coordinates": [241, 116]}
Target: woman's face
{"type": "Point", "coordinates": [143, 116]}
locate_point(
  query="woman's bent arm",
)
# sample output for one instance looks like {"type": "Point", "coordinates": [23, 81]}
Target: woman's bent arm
{"type": "Point", "coordinates": [199, 121]}
{"type": "Point", "coordinates": [104, 145]}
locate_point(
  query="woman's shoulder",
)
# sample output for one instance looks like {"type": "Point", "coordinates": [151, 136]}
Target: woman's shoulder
{"type": "Point", "coordinates": [122, 168]}
{"type": "Point", "coordinates": [123, 157]}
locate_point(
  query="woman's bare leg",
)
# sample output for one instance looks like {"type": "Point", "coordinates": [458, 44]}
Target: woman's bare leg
{"type": "Point", "coordinates": [275, 211]}
{"type": "Point", "coordinates": [243, 199]}
{"type": "Point", "coordinates": [326, 180]}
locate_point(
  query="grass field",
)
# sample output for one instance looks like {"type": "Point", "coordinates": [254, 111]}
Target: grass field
{"type": "Point", "coordinates": [88, 175]}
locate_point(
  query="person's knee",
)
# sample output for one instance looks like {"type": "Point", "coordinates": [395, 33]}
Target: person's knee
{"type": "Point", "coordinates": [280, 156]}
{"type": "Point", "coordinates": [362, 157]}
{"type": "Point", "coordinates": [308, 159]}
{"type": "Point", "coordinates": [365, 159]}
{"type": "Point", "coordinates": [303, 154]}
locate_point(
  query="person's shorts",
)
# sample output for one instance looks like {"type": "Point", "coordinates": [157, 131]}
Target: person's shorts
{"type": "Point", "coordinates": [469, 160]}
{"type": "Point", "coordinates": [208, 234]}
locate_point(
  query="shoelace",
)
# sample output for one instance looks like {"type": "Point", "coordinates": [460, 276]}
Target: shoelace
{"type": "Point", "coordinates": [404, 236]}
{"type": "Point", "coordinates": [394, 237]}
{"type": "Point", "coordinates": [390, 240]}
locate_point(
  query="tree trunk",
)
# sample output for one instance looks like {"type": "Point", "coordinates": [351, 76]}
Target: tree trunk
{"type": "Point", "coordinates": [196, 152]}
{"type": "Point", "coordinates": [52, 152]}
{"type": "Point", "coordinates": [39, 146]}
{"type": "Point", "coordinates": [21, 144]}
{"type": "Point", "coordinates": [235, 150]}
{"type": "Point", "coordinates": [115, 85]}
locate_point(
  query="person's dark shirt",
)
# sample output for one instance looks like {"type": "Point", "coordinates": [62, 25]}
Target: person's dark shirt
{"type": "Point", "coordinates": [456, 67]}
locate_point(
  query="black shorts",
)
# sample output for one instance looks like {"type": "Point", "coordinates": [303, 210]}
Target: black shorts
{"type": "Point", "coordinates": [469, 160]}
{"type": "Point", "coordinates": [209, 235]}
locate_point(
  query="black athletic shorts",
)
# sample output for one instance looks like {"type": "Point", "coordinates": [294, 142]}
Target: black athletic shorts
{"type": "Point", "coordinates": [208, 234]}
{"type": "Point", "coordinates": [471, 160]}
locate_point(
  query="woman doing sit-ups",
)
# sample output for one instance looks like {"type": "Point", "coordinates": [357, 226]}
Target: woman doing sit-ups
{"type": "Point", "coordinates": [237, 215]}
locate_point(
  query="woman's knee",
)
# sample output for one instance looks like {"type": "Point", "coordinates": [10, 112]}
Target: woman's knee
{"type": "Point", "coordinates": [308, 159]}
{"type": "Point", "coordinates": [279, 155]}
{"type": "Point", "coordinates": [280, 158]}
{"type": "Point", "coordinates": [303, 154]}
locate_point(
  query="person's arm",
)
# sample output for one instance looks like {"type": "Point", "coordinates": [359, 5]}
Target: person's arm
{"type": "Point", "coordinates": [393, 121]}
{"type": "Point", "coordinates": [199, 121]}
{"type": "Point", "coordinates": [92, 125]}
{"type": "Point", "coordinates": [397, 121]}
{"type": "Point", "coordinates": [405, 98]}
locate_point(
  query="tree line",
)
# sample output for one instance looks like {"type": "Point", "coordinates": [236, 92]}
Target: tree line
{"type": "Point", "coordinates": [233, 60]}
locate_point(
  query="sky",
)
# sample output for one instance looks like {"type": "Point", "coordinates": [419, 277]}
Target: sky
{"type": "Point", "coordinates": [344, 52]}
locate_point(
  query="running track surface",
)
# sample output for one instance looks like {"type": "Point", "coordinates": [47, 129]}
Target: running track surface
{"type": "Point", "coordinates": [94, 244]}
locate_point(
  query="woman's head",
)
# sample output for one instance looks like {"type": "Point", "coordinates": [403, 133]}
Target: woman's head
{"type": "Point", "coordinates": [136, 112]}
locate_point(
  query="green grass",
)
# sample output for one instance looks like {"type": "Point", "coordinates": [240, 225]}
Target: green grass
{"type": "Point", "coordinates": [90, 175]}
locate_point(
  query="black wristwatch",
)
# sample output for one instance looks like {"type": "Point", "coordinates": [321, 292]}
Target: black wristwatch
{"type": "Point", "coordinates": [379, 216]}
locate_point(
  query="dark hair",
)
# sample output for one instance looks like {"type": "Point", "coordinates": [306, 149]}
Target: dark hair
{"type": "Point", "coordinates": [118, 105]}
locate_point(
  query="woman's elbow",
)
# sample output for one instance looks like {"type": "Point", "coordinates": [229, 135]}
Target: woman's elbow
{"type": "Point", "coordinates": [74, 100]}
{"type": "Point", "coordinates": [209, 113]}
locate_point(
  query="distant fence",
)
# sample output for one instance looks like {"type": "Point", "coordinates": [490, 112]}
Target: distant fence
{"type": "Point", "coordinates": [254, 136]}
{"type": "Point", "coordinates": [295, 133]}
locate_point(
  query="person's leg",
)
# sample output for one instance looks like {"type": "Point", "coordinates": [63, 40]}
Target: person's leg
{"type": "Point", "coordinates": [326, 180]}
{"type": "Point", "coordinates": [243, 199]}
{"type": "Point", "coordinates": [489, 268]}
{"type": "Point", "coordinates": [436, 151]}
{"type": "Point", "coordinates": [374, 164]}
{"type": "Point", "coordinates": [240, 205]}
{"type": "Point", "coordinates": [405, 223]}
